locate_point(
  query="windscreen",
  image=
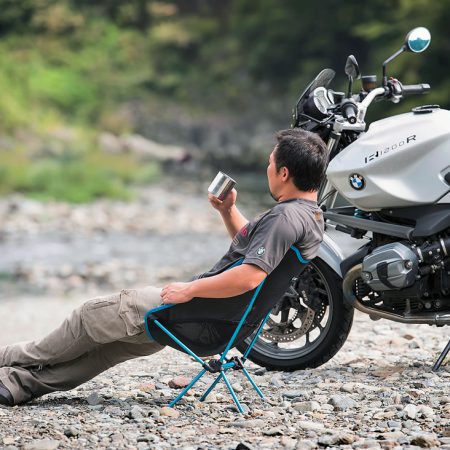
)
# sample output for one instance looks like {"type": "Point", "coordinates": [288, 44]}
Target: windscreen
{"type": "Point", "coordinates": [324, 79]}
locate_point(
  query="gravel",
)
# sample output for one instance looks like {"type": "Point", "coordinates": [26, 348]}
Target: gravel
{"type": "Point", "coordinates": [126, 406]}
{"type": "Point", "coordinates": [377, 392]}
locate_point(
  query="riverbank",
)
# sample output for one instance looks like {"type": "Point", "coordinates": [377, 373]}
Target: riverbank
{"type": "Point", "coordinates": [170, 232]}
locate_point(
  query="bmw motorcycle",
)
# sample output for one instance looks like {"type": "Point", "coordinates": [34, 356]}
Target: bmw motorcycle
{"type": "Point", "coordinates": [386, 201]}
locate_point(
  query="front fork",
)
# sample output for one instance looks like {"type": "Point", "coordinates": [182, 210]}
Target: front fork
{"type": "Point", "coordinates": [326, 196]}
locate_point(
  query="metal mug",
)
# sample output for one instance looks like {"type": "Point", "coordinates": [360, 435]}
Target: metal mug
{"type": "Point", "coordinates": [221, 186]}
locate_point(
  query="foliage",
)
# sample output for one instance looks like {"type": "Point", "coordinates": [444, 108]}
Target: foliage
{"type": "Point", "coordinates": [81, 58]}
{"type": "Point", "coordinates": [74, 177]}
{"type": "Point", "coordinates": [67, 62]}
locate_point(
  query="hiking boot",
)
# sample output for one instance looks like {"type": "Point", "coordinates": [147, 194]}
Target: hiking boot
{"type": "Point", "coordinates": [5, 396]}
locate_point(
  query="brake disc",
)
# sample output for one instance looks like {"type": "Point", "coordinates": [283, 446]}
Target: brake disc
{"type": "Point", "coordinates": [304, 308]}
{"type": "Point", "coordinates": [288, 330]}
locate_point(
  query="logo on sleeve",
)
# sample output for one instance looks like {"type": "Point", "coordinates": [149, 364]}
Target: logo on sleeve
{"type": "Point", "coordinates": [261, 251]}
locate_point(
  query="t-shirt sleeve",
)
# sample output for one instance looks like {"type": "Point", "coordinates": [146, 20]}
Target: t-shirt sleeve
{"type": "Point", "coordinates": [270, 242]}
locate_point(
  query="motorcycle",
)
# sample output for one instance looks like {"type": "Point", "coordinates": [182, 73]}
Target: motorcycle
{"type": "Point", "coordinates": [386, 202]}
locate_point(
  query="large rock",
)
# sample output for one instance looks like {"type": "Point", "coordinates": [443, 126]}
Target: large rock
{"type": "Point", "coordinates": [148, 149]}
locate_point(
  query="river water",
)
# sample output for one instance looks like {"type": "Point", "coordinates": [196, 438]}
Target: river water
{"type": "Point", "coordinates": [166, 234]}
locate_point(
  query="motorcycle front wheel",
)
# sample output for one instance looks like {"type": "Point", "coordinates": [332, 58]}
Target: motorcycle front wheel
{"type": "Point", "coordinates": [308, 325]}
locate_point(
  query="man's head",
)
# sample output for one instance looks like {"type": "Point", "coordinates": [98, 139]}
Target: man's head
{"type": "Point", "coordinates": [297, 163]}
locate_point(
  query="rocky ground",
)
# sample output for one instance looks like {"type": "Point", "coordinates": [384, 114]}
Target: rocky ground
{"type": "Point", "coordinates": [377, 392]}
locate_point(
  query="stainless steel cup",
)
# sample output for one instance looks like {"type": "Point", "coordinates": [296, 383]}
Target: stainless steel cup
{"type": "Point", "coordinates": [221, 185]}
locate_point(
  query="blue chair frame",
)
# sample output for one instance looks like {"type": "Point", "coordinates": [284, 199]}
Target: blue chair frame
{"type": "Point", "coordinates": [224, 363]}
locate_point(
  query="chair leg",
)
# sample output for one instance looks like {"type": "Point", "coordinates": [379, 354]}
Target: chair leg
{"type": "Point", "coordinates": [441, 358]}
{"type": "Point", "coordinates": [173, 402]}
{"type": "Point", "coordinates": [255, 386]}
{"type": "Point", "coordinates": [213, 385]}
{"type": "Point", "coordinates": [233, 394]}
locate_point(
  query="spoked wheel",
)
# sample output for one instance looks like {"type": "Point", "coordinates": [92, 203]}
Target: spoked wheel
{"type": "Point", "coordinates": [308, 325]}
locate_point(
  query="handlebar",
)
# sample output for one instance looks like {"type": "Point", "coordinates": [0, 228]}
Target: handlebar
{"type": "Point", "coordinates": [350, 111]}
{"type": "Point", "coordinates": [413, 89]}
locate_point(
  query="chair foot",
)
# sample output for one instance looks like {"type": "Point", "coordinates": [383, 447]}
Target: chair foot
{"type": "Point", "coordinates": [441, 358]}
{"type": "Point", "coordinates": [183, 392]}
{"type": "Point", "coordinates": [233, 394]}
{"type": "Point", "coordinates": [213, 385]}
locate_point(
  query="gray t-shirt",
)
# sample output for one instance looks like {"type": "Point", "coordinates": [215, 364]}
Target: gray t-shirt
{"type": "Point", "coordinates": [265, 240]}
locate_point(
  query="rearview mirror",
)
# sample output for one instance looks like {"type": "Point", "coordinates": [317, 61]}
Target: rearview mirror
{"type": "Point", "coordinates": [418, 40]}
{"type": "Point", "coordinates": [352, 68]}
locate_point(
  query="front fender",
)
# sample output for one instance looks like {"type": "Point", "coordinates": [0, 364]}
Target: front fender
{"type": "Point", "coordinates": [337, 246]}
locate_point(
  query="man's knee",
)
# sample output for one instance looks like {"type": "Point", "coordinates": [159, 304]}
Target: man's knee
{"type": "Point", "coordinates": [118, 316]}
{"type": "Point", "coordinates": [147, 298]}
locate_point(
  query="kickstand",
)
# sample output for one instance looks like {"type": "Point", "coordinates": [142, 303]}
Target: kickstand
{"type": "Point", "coordinates": [441, 358]}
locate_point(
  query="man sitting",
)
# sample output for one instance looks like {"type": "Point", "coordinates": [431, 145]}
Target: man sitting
{"type": "Point", "coordinates": [108, 330]}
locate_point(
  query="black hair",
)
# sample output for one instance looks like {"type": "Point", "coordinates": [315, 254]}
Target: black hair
{"type": "Point", "coordinates": [305, 155]}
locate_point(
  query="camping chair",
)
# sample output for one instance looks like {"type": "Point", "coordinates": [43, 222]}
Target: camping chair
{"type": "Point", "coordinates": [213, 326]}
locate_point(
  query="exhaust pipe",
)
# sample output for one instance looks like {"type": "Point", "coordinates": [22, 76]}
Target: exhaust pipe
{"type": "Point", "coordinates": [425, 318]}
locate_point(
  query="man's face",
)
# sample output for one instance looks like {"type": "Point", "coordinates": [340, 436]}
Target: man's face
{"type": "Point", "coordinates": [273, 177]}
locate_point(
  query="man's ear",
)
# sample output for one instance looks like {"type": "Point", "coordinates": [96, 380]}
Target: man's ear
{"type": "Point", "coordinates": [285, 173]}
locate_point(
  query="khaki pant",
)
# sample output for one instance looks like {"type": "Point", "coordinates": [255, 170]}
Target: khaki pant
{"type": "Point", "coordinates": [99, 334]}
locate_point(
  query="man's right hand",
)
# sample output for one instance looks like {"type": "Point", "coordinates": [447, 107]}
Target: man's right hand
{"type": "Point", "coordinates": [225, 205]}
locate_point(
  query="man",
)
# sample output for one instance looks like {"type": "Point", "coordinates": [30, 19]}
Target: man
{"type": "Point", "coordinates": [108, 330]}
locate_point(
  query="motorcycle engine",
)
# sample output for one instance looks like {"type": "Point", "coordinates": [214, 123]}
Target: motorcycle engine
{"type": "Point", "coordinates": [390, 267]}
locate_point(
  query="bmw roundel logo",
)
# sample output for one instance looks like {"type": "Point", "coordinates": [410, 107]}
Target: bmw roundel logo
{"type": "Point", "coordinates": [357, 181]}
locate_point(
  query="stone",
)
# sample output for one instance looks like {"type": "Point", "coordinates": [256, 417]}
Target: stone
{"type": "Point", "coordinates": [341, 438]}
{"type": "Point", "coordinates": [426, 411]}
{"type": "Point", "coordinates": [425, 440]}
{"type": "Point", "coordinates": [410, 411]}
{"type": "Point", "coordinates": [394, 424]}
{"type": "Point", "coordinates": [293, 394]}
{"type": "Point", "coordinates": [148, 149]}
{"type": "Point", "coordinates": [288, 442]}
{"type": "Point", "coordinates": [71, 432]}
{"type": "Point", "coordinates": [148, 387]}
{"type": "Point", "coordinates": [306, 406]}
{"type": "Point", "coordinates": [251, 423]}
{"type": "Point", "coordinates": [308, 426]}
{"type": "Point", "coordinates": [393, 435]}
{"type": "Point", "coordinates": [276, 431]}
{"type": "Point", "coordinates": [169, 412]}
{"type": "Point", "coordinates": [136, 412]}
{"type": "Point", "coordinates": [179, 382]}
{"type": "Point", "coordinates": [94, 399]}
{"type": "Point", "coordinates": [306, 444]}
{"type": "Point", "coordinates": [43, 444]}
{"type": "Point", "coordinates": [212, 398]}
{"type": "Point", "coordinates": [342, 402]}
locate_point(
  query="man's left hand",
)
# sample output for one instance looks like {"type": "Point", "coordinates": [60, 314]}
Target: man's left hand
{"type": "Point", "coordinates": [176, 293]}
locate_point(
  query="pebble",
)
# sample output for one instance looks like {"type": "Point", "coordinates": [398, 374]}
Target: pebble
{"type": "Point", "coordinates": [276, 431]}
{"type": "Point", "coordinates": [94, 399]}
{"type": "Point", "coordinates": [293, 394]}
{"type": "Point", "coordinates": [179, 382]}
{"type": "Point", "coordinates": [425, 440]}
{"type": "Point", "coordinates": [169, 412]}
{"type": "Point", "coordinates": [411, 411]}
{"type": "Point", "coordinates": [43, 444]}
{"type": "Point", "coordinates": [71, 432]}
{"type": "Point", "coordinates": [306, 406]}
{"type": "Point", "coordinates": [342, 403]}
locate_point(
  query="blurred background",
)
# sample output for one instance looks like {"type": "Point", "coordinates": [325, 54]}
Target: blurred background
{"type": "Point", "coordinates": [116, 115]}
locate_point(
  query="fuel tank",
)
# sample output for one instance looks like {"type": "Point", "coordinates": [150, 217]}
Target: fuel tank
{"type": "Point", "coordinates": [400, 161]}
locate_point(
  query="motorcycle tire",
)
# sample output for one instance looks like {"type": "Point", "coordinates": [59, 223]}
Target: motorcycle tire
{"type": "Point", "coordinates": [339, 323]}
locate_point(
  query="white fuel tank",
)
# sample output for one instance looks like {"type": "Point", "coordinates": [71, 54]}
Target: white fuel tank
{"type": "Point", "coordinates": [400, 161]}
